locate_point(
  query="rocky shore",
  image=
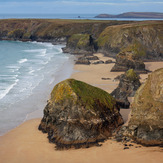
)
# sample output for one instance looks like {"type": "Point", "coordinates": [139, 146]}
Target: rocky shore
{"type": "Point", "coordinates": [81, 115]}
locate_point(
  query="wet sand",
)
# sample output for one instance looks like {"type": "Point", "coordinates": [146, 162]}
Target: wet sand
{"type": "Point", "coordinates": [26, 143]}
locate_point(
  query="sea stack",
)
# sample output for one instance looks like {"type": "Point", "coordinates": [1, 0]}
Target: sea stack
{"type": "Point", "coordinates": [130, 58]}
{"type": "Point", "coordinates": [129, 83]}
{"type": "Point", "coordinates": [146, 123]}
{"type": "Point", "coordinates": [79, 115]}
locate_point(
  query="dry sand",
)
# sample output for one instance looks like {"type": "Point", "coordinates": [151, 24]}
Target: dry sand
{"type": "Point", "coordinates": [26, 144]}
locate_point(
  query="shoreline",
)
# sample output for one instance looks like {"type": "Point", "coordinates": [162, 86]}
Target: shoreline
{"type": "Point", "coordinates": [32, 106]}
{"type": "Point", "coordinates": [26, 143]}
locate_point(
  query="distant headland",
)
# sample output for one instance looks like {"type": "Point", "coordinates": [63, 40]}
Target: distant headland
{"type": "Point", "coordinates": [136, 15]}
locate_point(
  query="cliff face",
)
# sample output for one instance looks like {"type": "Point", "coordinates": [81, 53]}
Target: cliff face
{"type": "Point", "coordinates": [81, 36]}
{"type": "Point", "coordinates": [146, 123]}
{"type": "Point", "coordinates": [80, 43]}
{"type": "Point", "coordinates": [79, 115]}
{"type": "Point", "coordinates": [56, 31]}
{"type": "Point", "coordinates": [149, 35]}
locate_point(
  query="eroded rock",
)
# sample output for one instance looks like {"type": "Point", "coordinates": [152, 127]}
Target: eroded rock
{"type": "Point", "coordinates": [79, 115]}
{"type": "Point", "coordinates": [129, 83]}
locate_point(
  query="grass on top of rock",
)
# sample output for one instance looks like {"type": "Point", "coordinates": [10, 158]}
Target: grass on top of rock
{"type": "Point", "coordinates": [131, 75]}
{"type": "Point", "coordinates": [136, 50]}
{"type": "Point", "coordinates": [82, 94]}
{"type": "Point", "coordinates": [81, 40]}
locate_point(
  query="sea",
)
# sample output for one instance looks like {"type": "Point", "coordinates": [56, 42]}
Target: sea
{"type": "Point", "coordinates": [64, 16]}
{"type": "Point", "coordinates": [28, 73]}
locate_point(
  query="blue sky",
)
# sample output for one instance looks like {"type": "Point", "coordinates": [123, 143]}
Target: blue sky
{"type": "Point", "coordinates": [80, 6]}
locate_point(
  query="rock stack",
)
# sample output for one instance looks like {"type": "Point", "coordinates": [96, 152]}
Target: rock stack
{"type": "Point", "coordinates": [129, 83]}
{"type": "Point", "coordinates": [79, 115]}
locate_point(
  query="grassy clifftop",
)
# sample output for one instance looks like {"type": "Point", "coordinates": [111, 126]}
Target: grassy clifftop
{"type": "Point", "coordinates": [49, 29]}
{"type": "Point", "coordinates": [148, 35]}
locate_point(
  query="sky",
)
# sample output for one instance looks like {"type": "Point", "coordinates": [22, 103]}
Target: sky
{"type": "Point", "coordinates": [79, 6]}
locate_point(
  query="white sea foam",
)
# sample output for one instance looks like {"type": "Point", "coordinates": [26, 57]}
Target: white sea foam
{"type": "Point", "coordinates": [31, 72]}
{"type": "Point", "coordinates": [47, 44]}
{"type": "Point", "coordinates": [35, 51]}
{"type": "Point", "coordinates": [22, 60]}
{"type": "Point", "coordinates": [7, 90]}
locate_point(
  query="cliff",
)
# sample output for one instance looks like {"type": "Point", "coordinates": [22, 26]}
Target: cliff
{"type": "Point", "coordinates": [87, 36]}
{"type": "Point", "coordinates": [147, 35]}
{"type": "Point", "coordinates": [50, 30]}
{"type": "Point", "coordinates": [79, 115]}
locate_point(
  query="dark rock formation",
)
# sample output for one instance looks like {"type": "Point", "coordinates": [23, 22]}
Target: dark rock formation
{"type": "Point", "coordinates": [98, 62]}
{"type": "Point", "coordinates": [108, 61]}
{"type": "Point", "coordinates": [129, 83]}
{"type": "Point", "coordinates": [146, 123]}
{"type": "Point", "coordinates": [92, 58]}
{"type": "Point", "coordinates": [79, 115]}
{"type": "Point", "coordinates": [129, 59]}
{"type": "Point", "coordinates": [83, 60]}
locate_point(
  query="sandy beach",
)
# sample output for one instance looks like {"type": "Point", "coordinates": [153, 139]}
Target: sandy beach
{"type": "Point", "coordinates": [26, 143]}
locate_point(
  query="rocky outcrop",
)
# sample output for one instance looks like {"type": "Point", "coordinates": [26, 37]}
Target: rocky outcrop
{"type": "Point", "coordinates": [147, 34]}
{"type": "Point", "coordinates": [108, 61]}
{"type": "Point", "coordinates": [129, 83]}
{"type": "Point", "coordinates": [83, 60]}
{"type": "Point", "coordinates": [79, 115]}
{"type": "Point", "coordinates": [146, 123]}
{"type": "Point", "coordinates": [129, 59]}
{"type": "Point", "coordinates": [79, 44]}
{"type": "Point", "coordinates": [98, 62]}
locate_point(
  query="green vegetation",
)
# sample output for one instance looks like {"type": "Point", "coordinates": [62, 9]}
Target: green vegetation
{"type": "Point", "coordinates": [136, 49]}
{"type": "Point", "coordinates": [17, 33]}
{"type": "Point", "coordinates": [82, 94]}
{"type": "Point", "coordinates": [131, 75]}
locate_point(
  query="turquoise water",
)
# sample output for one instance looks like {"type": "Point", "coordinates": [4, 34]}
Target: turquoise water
{"type": "Point", "coordinates": [28, 72]}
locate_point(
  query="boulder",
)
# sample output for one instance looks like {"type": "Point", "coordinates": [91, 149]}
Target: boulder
{"type": "Point", "coordinates": [79, 115]}
{"type": "Point", "coordinates": [98, 62]}
{"type": "Point", "coordinates": [92, 58]}
{"type": "Point", "coordinates": [108, 61]}
{"type": "Point", "coordinates": [129, 83]}
{"type": "Point", "coordinates": [146, 123]}
{"type": "Point", "coordinates": [83, 60]}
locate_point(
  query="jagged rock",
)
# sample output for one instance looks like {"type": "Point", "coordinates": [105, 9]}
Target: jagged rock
{"type": "Point", "coordinates": [79, 115]}
{"type": "Point", "coordinates": [146, 123]}
{"type": "Point", "coordinates": [98, 62]}
{"type": "Point", "coordinates": [129, 83]}
{"type": "Point", "coordinates": [108, 61]}
{"type": "Point", "coordinates": [83, 60]}
{"type": "Point", "coordinates": [129, 59]}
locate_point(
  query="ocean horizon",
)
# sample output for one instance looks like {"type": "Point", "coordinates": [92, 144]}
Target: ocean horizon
{"type": "Point", "coordinates": [64, 16]}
